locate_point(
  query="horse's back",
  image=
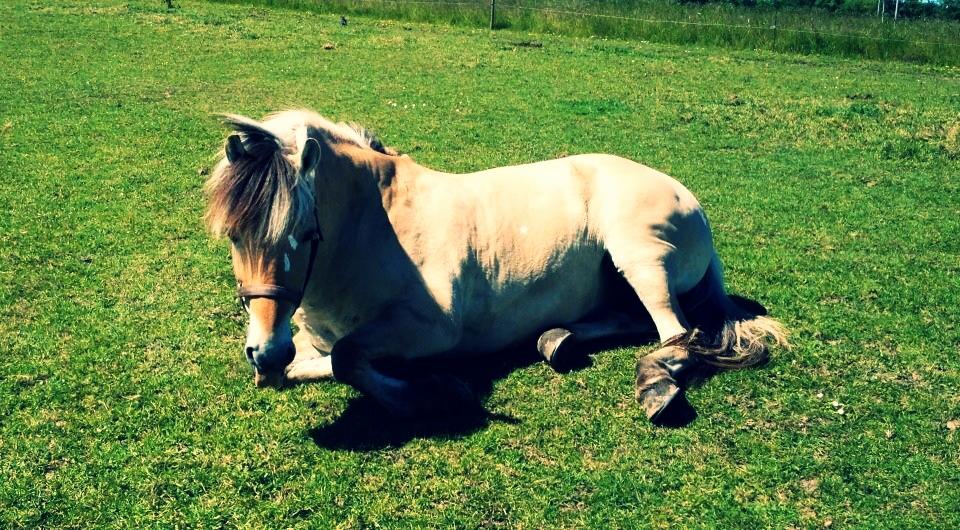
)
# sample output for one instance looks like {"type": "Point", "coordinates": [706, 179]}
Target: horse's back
{"type": "Point", "coordinates": [601, 200]}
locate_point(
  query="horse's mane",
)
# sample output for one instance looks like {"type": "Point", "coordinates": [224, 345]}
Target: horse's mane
{"type": "Point", "coordinates": [364, 138]}
{"type": "Point", "coordinates": [262, 195]}
{"type": "Point", "coordinates": [350, 132]}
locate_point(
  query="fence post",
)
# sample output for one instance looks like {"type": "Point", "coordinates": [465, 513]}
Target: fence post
{"type": "Point", "coordinates": [493, 13]}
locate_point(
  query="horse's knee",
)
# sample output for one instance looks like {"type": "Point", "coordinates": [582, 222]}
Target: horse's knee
{"type": "Point", "coordinates": [303, 343]}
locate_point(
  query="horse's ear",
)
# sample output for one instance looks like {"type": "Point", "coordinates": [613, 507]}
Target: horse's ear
{"type": "Point", "coordinates": [235, 149]}
{"type": "Point", "coordinates": [311, 155]}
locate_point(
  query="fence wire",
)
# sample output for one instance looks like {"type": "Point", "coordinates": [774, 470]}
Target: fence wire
{"type": "Point", "coordinates": [421, 2]}
{"type": "Point", "coordinates": [485, 5]}
{"type": "Point", "coordinates": [720, 25]}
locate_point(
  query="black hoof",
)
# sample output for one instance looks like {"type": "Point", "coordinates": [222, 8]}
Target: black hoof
{"type": "Point", "coordinates": [666, 404]}
{"type": "Point", "coordinates": [562, 351]}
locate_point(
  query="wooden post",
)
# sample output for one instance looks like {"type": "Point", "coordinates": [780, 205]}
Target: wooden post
{"type": "Point", "coordinates": [493, 13]}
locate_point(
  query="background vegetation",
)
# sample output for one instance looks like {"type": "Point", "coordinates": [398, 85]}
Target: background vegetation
{"type": "Point", "coordinates": [124, 397]}
{"type": "Point", "coordinates": [949, 9]}
{"type": "Point", "coordinates": [784, 27]}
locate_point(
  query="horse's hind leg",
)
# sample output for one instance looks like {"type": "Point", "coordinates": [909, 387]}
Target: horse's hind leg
{"type": "Point", "coordinates": [660, 380]}
{"type": "Point", "coordinates": [660, 374]}
{"type": "Point", "coordinates": [565, 348]}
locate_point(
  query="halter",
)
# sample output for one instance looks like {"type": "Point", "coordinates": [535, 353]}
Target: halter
{"type": "Point", "coordinates": [279, 292]}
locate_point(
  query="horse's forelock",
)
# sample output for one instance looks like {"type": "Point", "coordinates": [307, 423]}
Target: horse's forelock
{"type": "Point", "coordinates": [258, 197]}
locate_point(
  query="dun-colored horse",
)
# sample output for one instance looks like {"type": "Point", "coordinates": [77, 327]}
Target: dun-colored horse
{"type": "Point", "coordinates": [374, 256]}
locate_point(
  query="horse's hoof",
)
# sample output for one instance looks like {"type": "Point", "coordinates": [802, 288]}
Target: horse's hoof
{"type": "Point", "coordinates": [559, 347]}
{"type": "Point", "coordinates": [666, 404]}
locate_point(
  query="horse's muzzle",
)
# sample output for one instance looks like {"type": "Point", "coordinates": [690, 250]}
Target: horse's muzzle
{"type": "Point", "coordinates": [269, 364]}
{"type": "Point", "coordinates": [269, 379]}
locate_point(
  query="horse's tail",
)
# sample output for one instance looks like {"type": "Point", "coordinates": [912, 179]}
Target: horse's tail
{"type": "Point", "coordinates": [728, 335]}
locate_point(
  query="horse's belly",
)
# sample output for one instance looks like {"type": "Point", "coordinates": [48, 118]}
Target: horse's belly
{"type": "Point", "coordinates": [500, 314]}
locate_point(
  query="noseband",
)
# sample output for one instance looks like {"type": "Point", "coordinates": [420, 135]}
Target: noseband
{"type": "Point", "coordinates": [278, 292]}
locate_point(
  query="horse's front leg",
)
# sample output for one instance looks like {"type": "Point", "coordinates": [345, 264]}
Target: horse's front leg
{"type": "Point", "coordinates": [400, 333]}
{"type": "Point", "coordinates": [312, 360]}
{"type": "Point", "coordinates": [310, 363]}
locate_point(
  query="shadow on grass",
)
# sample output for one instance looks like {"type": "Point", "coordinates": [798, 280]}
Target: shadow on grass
{"type": "Point", "coordinates": [365, 426]}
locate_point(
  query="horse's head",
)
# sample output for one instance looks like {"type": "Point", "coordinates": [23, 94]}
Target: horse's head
{"type": "Point", "coordinates": [262, 197]}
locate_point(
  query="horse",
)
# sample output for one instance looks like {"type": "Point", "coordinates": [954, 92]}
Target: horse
{"type": "Point", "coordinates": [377, 258]}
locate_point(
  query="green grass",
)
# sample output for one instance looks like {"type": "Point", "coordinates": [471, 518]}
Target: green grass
{"type": "Point", "coordinates": [793, 30]}
{"type": "Point", "coordinates": [832, 186]}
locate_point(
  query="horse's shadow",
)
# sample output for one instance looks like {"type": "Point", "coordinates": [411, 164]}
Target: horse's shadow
{"type": "Point", "coordinates": [365, 426]}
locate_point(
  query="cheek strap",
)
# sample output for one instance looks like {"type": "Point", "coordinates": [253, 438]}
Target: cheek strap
{"type": "Point", "coordinates": [279, 292]}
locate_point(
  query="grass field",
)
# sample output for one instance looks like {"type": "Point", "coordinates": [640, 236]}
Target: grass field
{"type": "Point", "coordinates": [832, 186]}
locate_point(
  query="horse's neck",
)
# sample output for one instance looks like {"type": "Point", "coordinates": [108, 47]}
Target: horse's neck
{"type": "Point", "coordinates": [351, 211]}
{"type": "Point", "coordinates": [360, 266]}
{"type": "Point", "coordinates": [345, 190]}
